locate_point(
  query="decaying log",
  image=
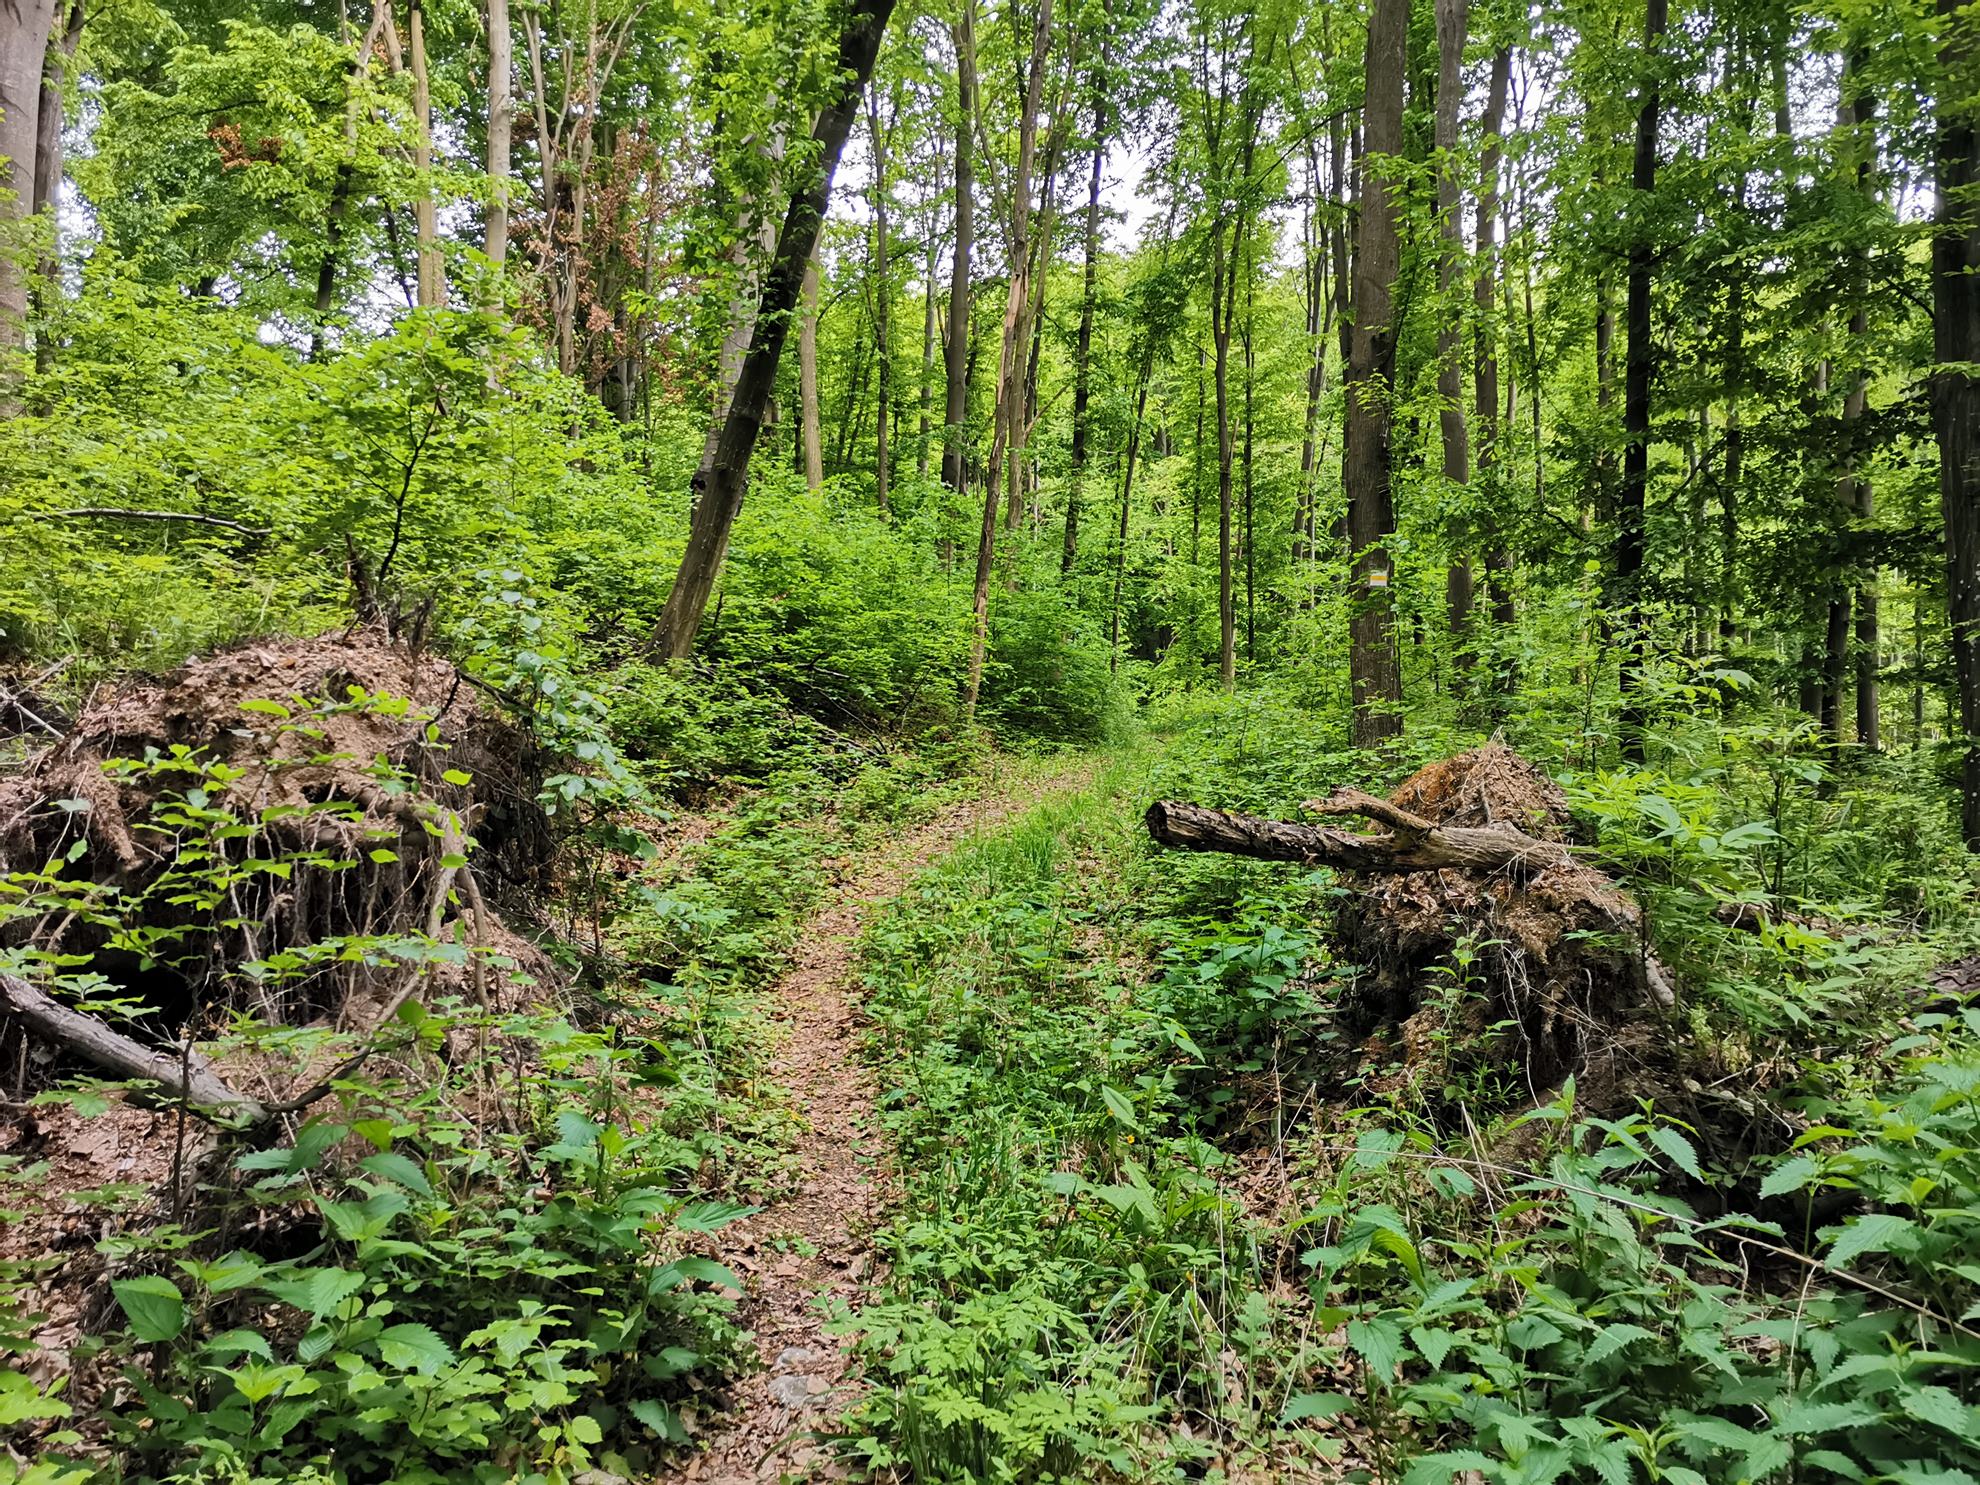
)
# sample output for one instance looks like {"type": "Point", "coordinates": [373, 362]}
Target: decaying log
{"type": "Point", "coordinates": [1414, 845]}
{"type": "Point", "coordinates": [188, 1076]}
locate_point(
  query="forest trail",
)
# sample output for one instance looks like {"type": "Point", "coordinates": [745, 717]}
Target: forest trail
{"type": "Point", "coordinates": [812, 1245]}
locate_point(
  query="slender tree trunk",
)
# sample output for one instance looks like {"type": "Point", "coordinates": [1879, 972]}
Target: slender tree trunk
{"type": "Point", "coordinates": [1375, 676]}
{"type": "Point", "coordinates": [954, 430]}
{"type": "Point", "coordinates": [1453, 17]}
{"type": "Point", "coordinates": [1223, 272]}
{"type": "Point", "coordinates": [426, 215]}
{"type": "Point", "coordinates": [883, 308]}
{"type": "Point", "coordinates": [1315, 283]}
{"type": "Point", "coordinates": [1956, 382]}
{"type": "Point", "coordinates": [1250, 425]}
{"type": "Point", "coordinates": [1196, 464]}
{"type": "Point", "coordinates": [1858, 495]}
{"type": "Point", "coordinates": [1142, 379]}
{"type": "Point", "coordinates": [25, 27]}
{"type": "Point", "coordinates": [727, 476]}
{"type": "Point", "coordinates": [1485, 344]}
{"type": "Point", "coordinates": [814, 447]}
{"type": "Point", "coordinates": [929, 335]}
{"type": "Point", "coordinates": [501, 127]}
{"type": "Point", "coordinates": [1638, 368]}
{"type": "Point", "coordinates": [1083, 350]}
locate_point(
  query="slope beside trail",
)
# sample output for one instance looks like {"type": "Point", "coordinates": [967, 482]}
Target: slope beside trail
{"type": "Point", "coordinates": [812, 1245]}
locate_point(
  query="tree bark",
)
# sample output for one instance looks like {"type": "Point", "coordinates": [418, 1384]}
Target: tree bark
{"type": "Point", "coordinates": [1415, 844]}
{"type": "Point", "coordinates": [1375, 676]}
{"type": "Point", "coordinates": [1637, 371]}
{"type": "Point", "coordinates": [1083, 349]}
{"type": "Point", "coordinates": [1008, 415]}
{"type": "Point", "coordinates": [1956, 381]}
{"type": "Point", "coordinates": [883, 310]}
{"type": "Point", "coordinates": [1453, 17]}
{"type": "Point", "coordinates": [929, 334]}
{"type": "Point", "coordinates": [55, 71]}
{"type": "Point", "coordinates": [1856, 114]}
{"type": "Point", "coordinates": [185, 1075]}
{"type": "Point", "coordinates": [814, 448]}
{"type": "Point", "coordinates": [1485, 339]}
{"type": "Point", "coordinates": [501, 128]}
{"type": "Point", "coordinates": [24, 37]}
{"type": "Point", "coordinates": [726, 478]}
{"type": "Point", "coordinates": [956, 417]}
{"type": "Point", "coordinates": [426, 215]}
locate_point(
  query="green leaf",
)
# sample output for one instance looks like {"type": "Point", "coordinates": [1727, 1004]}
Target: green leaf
{"type": "Point", "coordinates": [1612, 1339]}
{"type": "Point", "coordinates": [585, 1430]}
{"type": "Point", "coordinates": [1788, 1176]}
{"type": "Point", "coordinates": [1940, 1408]}
{"type": "Point", "coordinates": [153, 1305]}
{"type": "Point", "coordinates": [711, 1216]}
{"type": "Point", "coordinates": [1873, 1233]}
{"type": "Point", "coordinates": [315, 1291]}
{"type": "Point", "coordinates": [1119, 1106]}
{"type": "Point", "coordinates": [398, 1169]}
{"type": "Point", "coordinates": [1379, 1343]}
{"type": "Point", "coordinates": [1441, 1469]}
{"type": "Point", "coordinates": [1677, 1148]}
{"type": "Point", "coordinates": [662, 1419]}
{"type": "Point", "coordinates": [414, 1348]}
{"type": "Point", "coordinates": [1308, 1405]}
{"type": "Point", "coordinates": [457, 776]}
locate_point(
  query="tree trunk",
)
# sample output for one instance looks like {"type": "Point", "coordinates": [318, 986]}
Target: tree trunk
{"type": "Point", "coordinates": [1083, 350]}
{"type": "Point", "coordinates": [1223, 272]}
{"type": "Point", "coordinates": [883, 312]}
{"type": "Point", "coordinates": [24, 36]}
{"type": "Point", "coordinates": [1485, 341]}
{"type": "Point", "coordinates": [1453, 16]}
{"type": "Point", "coordinates": [1127, 490]}
{"type": "Point", "coordinates": [1007, 418]}
{"type": "Point", "coordinates": [1857, 495]}
{"type": "Point", "coordinates": [929, 335]}
{"type": "Point", "coordinates": [814, 449]}
{"type": "Point", "coordinates": [55, 70]}
{"type": "Point", "coordinates": [954, 430]}
{"type": "Point", "coordinates": [1637, 371]}
{"type": "Point", "coordinates": [1375, 676]}
{"type": "Point", "coordinates": [726, 478]}
{"type": "Point", "coordinates": [501, 126]}
{"type": "Point", "coordinates": [426, 216]}
{"type": "Point", "coordinates": [1956, 382]}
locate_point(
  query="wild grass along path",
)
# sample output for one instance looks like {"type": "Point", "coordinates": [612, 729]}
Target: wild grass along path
{"type": "Point", "coordinates": [814, 1243]}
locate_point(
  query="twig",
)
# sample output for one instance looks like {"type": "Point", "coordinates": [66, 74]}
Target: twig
{"type": "Point", "coordinates": [120, 513]}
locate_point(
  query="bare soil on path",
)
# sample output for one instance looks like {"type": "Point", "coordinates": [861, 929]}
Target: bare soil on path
{"type": "Point", "coordinates": [812, 1246]}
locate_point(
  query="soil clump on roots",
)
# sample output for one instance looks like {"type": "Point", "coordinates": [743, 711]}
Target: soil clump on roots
{"type": "Point", "coordinates": [309, 833]}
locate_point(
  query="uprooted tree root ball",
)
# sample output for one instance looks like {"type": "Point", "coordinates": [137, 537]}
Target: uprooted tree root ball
{"type": "Point", "coordinates": [1473, 881]}
{"type": "Point", "coordinates": [289, 822]}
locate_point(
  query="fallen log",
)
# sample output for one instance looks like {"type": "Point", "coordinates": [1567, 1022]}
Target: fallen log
{"type": "Point", "coordinates": [1452, 880]}
{"type": "Point", "coordinates": [186, 1076]}
{"type": "Point", "coordinates": [1415, 845]}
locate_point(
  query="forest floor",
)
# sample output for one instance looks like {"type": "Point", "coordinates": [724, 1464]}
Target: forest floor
{"type": "Point", "coordinates": [809, 1252]}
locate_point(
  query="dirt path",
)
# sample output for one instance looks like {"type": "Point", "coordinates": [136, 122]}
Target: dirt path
{"type": "Point", "coordinates": [813, 1243]}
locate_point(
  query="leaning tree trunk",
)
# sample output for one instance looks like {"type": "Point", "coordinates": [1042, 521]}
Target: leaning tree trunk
{"type": "Point", "coordinates": [726, 477]}
{"type": "Point", "coordinates": [1453, 17]}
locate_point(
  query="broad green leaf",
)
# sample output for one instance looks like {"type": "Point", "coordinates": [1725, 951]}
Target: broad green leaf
{"type": "Point", "coordinates": [414, 1348]}
{"type": "Point", "coordinates": [153, 1305]}
{"type": "Point", "coordinates": [1309, 1405]}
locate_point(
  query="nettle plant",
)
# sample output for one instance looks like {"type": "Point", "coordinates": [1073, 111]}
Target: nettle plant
{"type": "Point", "coordinates": [457, 1256]}
{"type": "Point", "coordinates": [1570, 1319]}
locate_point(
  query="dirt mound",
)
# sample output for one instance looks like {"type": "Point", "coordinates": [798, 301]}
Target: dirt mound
{"type": "Point", "coordinates": [261, 803]}
{"type": "Point", "coordinates": [1536, 965]}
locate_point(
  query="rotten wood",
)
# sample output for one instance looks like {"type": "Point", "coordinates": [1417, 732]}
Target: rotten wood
{"type": "Point", "coordinates": [1413, 843]}
{"type": "Point", "coordinates": [187, 1075]}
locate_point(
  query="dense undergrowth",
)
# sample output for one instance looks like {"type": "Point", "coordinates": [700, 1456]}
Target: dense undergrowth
{"type": "Point", "coordinates": [1165, 1209]}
